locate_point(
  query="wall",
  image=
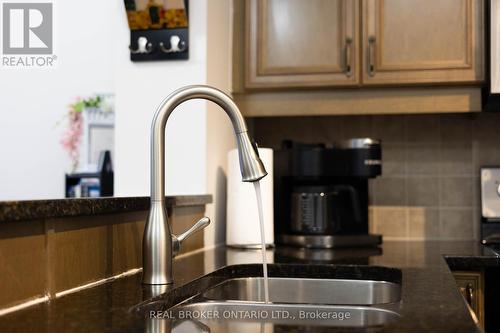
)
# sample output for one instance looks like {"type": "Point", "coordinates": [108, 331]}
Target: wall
{"type": "Point", "coordinates": [430, 187]}
{"type": "Point", "coordinates": [220, 137]}
{"type": "Point", "coordinates": [32, 164]}
{"type": "Point", "coordinates": [199, 134]}
{"type": "Point", "coordinates": [140, 87]}
{"type": "Point", "coordinates": [93, 57]}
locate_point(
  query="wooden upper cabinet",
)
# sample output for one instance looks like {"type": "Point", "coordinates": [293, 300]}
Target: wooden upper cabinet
{"type": "Point", "coordinates": [302, 43]}
{"type": "Point", "coordinates": [422, 41]}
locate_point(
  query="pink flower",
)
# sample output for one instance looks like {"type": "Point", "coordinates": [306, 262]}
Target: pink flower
{"type": "Point", "coordinates": [71, 137]}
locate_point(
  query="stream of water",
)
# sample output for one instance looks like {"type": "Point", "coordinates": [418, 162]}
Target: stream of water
{"type": "Point", "coordinates": [262, 239]}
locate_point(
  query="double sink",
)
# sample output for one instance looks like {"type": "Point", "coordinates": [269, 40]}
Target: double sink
{"type": "Point", "coordinates": [301, 296]}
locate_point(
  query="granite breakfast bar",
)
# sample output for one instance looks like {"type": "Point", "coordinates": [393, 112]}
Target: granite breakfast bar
{"type": "Point", "coordinates": [50, 247]}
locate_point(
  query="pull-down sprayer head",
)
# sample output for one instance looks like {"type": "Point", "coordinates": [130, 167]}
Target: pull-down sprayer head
{"type": "Point", "coordinates": [251, 165]}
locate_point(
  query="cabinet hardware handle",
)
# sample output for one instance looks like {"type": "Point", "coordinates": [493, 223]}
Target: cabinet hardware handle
{"type": "Point", "coordinates": [348, 67]}
{"type": "Point", "coordinates": [468, 293]}
{"type": "Point", "coordinates": [371, 55]}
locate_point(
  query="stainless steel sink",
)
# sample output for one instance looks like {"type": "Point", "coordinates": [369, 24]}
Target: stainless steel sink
{"type": "Point", "coordinates": [316, 298]}
{"type": "Point", "coordinates": [307, 291]}
{"type": "Point", "coordinates": [213, 313]}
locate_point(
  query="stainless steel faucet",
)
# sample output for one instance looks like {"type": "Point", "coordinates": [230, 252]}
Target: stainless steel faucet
{"type": "Point", "coordinates": [159, 244]}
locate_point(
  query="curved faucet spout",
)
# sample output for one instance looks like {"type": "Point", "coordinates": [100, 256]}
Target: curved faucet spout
{"type": "Point", "coordinates": [251, 166]}
{"type": "Point", "coordinates": [157, 242]}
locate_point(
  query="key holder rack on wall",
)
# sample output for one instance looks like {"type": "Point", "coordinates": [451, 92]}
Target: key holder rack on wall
{"type": "Point", "coordinates": [164, 44]}
{"type": "Point", "coordinates": [158, 33]}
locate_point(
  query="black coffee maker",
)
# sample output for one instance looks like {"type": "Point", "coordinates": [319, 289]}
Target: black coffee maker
{"type": "Point", "coordinates": [321, 193]}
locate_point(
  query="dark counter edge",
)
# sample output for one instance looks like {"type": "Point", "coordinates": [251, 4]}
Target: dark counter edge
{"type": "Point", "coordinates": [11, 211]}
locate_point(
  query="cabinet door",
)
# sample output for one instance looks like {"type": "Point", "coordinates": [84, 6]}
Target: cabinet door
{"type": "Point", "coordinates": [297, 43]}
{"type": "Point", "coordinates": [422, 41]}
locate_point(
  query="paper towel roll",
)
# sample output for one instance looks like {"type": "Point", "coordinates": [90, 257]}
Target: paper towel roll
{"type": "Point", "coordinates": [243, 229]}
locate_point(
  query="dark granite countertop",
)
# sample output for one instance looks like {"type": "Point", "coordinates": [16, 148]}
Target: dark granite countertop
{"type": "Point", "coordinates": [430, 301]}
{"type": "Point", "coordinates": [41, 209]}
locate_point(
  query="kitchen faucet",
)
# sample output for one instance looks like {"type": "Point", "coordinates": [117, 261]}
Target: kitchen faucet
{"type": "Point", "coordinates": [159, 245]}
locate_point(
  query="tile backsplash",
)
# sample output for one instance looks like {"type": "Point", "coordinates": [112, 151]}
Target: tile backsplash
{"type": "Point", "coordinates": [429, 188]}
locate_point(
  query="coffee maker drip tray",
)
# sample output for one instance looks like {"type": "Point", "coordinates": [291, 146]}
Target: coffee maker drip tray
{"type": "Point", "coordinates": [330, 242]}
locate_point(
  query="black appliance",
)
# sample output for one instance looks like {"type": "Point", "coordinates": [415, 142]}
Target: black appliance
{"type": "Point", "coordinates": [321, 193]}
{"type": "Point", "coordinates": [490, 206]}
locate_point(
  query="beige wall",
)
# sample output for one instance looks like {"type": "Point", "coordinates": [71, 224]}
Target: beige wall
{"type": "Point", "coordinates": [220, 137]}
{"type": "Point", "coordinates": [430, 186]}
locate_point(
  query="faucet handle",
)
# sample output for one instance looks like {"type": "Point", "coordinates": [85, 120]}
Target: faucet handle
{"type": "Point", "coordinates": [178, 240]}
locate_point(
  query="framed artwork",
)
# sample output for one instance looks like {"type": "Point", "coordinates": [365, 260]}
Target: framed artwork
{"type": "Point", "coordinates": [156, 14]}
